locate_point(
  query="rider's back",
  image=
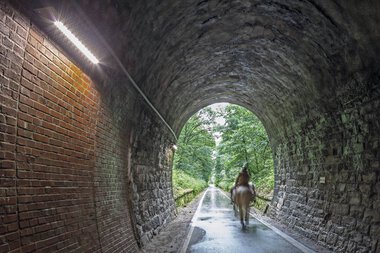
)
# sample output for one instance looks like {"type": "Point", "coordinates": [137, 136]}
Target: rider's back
{"type": "Point", "coordinates": [243, 179]}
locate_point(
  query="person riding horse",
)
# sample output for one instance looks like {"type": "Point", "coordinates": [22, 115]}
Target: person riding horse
{"type": "Point", "coordinates": [241, 196]}
{"type": "Point", "coordinates": [243, 180]}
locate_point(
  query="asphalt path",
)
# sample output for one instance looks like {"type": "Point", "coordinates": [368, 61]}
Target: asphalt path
{"type": "Point", "coordinates": [216, 229]}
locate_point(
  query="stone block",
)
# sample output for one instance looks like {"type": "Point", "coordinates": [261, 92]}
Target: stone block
{"type": "Point", "coordinates": [362, 228]}
{"type": "Point", "coordinates": [322, 237]}
{"type": "Point", "coordinates": [375, 246]}
{"type": "Point", "coordinates": [376, 205]}
{"type": "Point", "coordinates": [351, 246]}
{"type": "Point", "coordinates": [341, 244]}
{"type": "Point", "coordinates": [340, 209]}
{"type": "Point", "coordinates": [342, 176]}
{"type": "Point", "coordinates": [358, 238]}
{"type": "Point", "coordinates": [358, 148]}
{"type": "Point", "coordinates": [365, 188]}
{"type": "Point", "coordinates": [146, 227]}
{"type": "Point", "coordinates": [344, 118]}
{"type": "Point", "coordinates": [339, 230]}
{"type": "Point", "coordinates": [331, 238]}
{"type": "Point", "coordinates": [375, 165]}
{"type": "Point", "coordinates": [355, 198]}
{"type": "Point", "coordinates": [371, 216]}
{"type": "Point", "coordinates": [357, 211]}
{"type": "Point", "coordinates": [369, 177]}
{"type": "Point", "coordinates": [377, 187]}
{"type": "Point", "coordinates": [341, 187]}
{"type": "Point", "coordinates": [349, 223]}
{"type": "Point", "coordinates": [156, 222]}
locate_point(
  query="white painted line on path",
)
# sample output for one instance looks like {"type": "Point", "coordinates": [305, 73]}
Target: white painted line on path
{"type": "Point", "coordinates": [195, 217]}
{"type": "Point", "coordinates": [292, 241]}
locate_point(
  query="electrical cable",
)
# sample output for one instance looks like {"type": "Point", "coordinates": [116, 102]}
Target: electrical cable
{"type": "Point", "coordinates": [125, 71]}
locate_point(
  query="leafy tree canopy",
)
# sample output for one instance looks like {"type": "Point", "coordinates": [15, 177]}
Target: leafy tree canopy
{"type": "Point", "coordinates": [196, 145]}
{"type": "Point", "coordinates": [244, 140]}
{"type": "Point", "coordinates": [212, 148]}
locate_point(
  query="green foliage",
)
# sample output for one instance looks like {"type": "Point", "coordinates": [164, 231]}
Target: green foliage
{"type": "Point", "coordinates": [218, 170]}
{"type": "Point", "coordinates": [193, 161]}
{"type": "Point", "coordinates": [183, 182]}
{"type": "Point", "coordinates": [196, 146]}
{"type": "Point", "coordinates": [244, 140]}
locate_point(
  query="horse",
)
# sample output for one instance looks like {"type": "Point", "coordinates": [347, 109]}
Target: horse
{"type": "Point", "coordinates": [241, 197]}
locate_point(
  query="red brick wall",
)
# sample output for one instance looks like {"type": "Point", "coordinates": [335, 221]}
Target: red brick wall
{"type": "Point", "coordinates": [56, 193]}
{"type": "Point", "coordinates": [11, 59]}
{"type": "Point", "coordinates": [112, 194]}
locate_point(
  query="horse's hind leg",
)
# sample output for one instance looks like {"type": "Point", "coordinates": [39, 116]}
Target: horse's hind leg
{"type": "Point", "coordinates": [235, 207]}
{"type": "Point", "coordinates": [241, 216]}
{"type": "Point", "coordinates": [247, 215]}
{"type": "Point", "coordinates": [235, 210]}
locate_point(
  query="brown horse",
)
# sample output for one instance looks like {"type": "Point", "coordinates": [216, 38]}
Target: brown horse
{"type": "Point", "coordinates": [242, 196]}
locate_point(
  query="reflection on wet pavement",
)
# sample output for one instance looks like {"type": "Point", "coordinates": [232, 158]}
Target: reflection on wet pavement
{"type": "Point", "coordinates": [218, 230]}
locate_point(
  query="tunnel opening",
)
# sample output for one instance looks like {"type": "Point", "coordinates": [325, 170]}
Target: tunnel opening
{"type": "Point", "coordinates": [213, 146]}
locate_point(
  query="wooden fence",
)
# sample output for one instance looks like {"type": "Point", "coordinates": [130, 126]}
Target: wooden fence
{"type": "Point", "coordinates": [262, 203]}
{"type": "Point", "coordinates": [185, 197]}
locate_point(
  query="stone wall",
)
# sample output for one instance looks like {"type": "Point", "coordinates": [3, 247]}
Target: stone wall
{"type": "Point", "coordinates": [343, 147]}
{"type": "Point", "coordinates": [152, 156]}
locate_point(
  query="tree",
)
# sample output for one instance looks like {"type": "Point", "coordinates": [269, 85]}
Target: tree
{"type": "Point", "coordinates": [219, 170]}
{"type": "Point", "coordinates": [244, 140]}
{"type": "Point", "coordinates": [196, 146]}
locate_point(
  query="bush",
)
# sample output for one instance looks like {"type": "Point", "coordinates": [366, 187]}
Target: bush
{"type": "Point", "coordinates": [183, 182]}
{"type": "Point", "coordinates": [225, 185]}
{"type": "Point", "coordinates": [264, 186]}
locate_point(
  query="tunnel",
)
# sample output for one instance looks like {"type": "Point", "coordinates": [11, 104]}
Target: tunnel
{"type": "Point", "coordinates": [86, 149]}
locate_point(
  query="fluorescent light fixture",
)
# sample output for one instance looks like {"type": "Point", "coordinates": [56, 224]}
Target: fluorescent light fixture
{"type": "Point", "coordinates": [76, 42]}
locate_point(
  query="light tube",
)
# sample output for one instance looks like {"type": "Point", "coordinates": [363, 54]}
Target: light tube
{"type": "Point", "coordinates": [76, 42]}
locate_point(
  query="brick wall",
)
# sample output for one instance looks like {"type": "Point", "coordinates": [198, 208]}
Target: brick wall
{"type": "Point", "coordinates": [57, 193]}
{"type": "Point", "coordinates": [112, 168]}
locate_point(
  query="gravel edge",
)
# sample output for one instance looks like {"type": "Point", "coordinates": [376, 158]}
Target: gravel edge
{"type": "Point", "coordinates": [173, 235]}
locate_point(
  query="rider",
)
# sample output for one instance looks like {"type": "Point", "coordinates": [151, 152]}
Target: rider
{"type": "Point", "coordinates": [243, 177]}
{"type": "Point", "coordinates": [243, 180]}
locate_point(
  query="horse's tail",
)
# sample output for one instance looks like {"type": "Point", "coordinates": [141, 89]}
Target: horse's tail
{"type": "Point", "coordinates": [243, 198]}
{"type": "Point", "coordinates": [243, 191]}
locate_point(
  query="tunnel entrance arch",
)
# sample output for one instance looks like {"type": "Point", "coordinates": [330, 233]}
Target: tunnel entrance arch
{"type": "Point", "coordinates": [315, 180]}
{"type": "Point", "coordinates": [218, 140]}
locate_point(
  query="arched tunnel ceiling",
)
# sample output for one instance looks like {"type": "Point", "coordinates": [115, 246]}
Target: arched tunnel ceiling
{"type": "Point", "coordinates": [276, 58]}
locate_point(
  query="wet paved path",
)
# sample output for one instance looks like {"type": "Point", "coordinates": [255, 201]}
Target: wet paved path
{"type": "Point", "coordinates": [216, 229]}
